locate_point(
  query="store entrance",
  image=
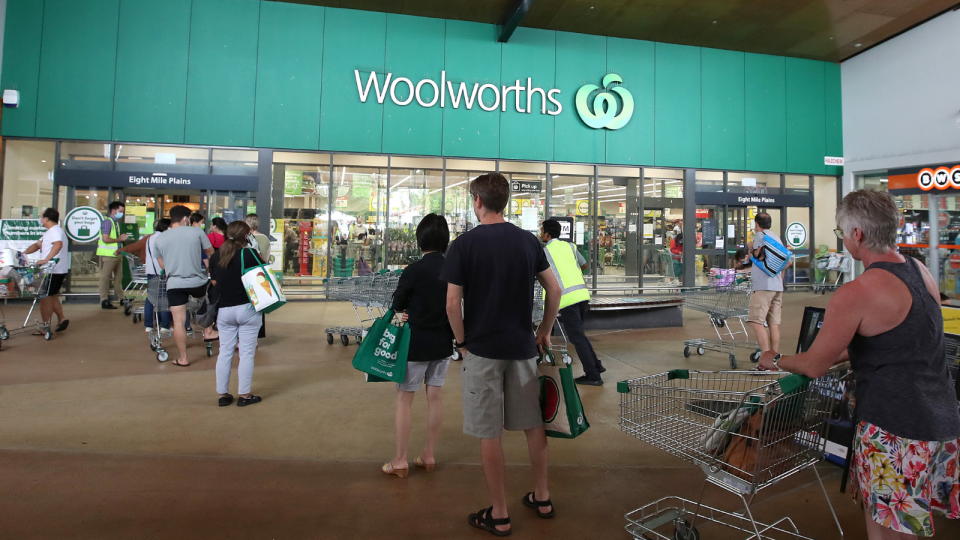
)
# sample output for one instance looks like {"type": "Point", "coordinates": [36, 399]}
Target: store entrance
{"type": "Point", "coordinates": [149, 205]}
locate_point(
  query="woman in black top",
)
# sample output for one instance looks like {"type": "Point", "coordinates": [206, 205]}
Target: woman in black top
{"type": "Point", "coordinates": [422, 298]}
{"type": "Point", "coordinates": [236, 318]}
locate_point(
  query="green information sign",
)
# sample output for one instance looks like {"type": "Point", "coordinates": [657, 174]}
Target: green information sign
{"type": "Point", "coordinates": [293, 182]}
{"type": "Point", "coordinates": [362, 185]}
{"type": "Point", "coordinates": [672, 192]}
{"type": "Point", "coordinates": [21, 229]}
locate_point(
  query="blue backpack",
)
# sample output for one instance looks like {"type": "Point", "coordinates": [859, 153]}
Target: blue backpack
{"type": "Point", "coordinates": [775, 257]}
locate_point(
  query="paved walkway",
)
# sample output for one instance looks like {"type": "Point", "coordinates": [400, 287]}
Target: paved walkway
{"type": "Point", "coordinates": [98, 440]}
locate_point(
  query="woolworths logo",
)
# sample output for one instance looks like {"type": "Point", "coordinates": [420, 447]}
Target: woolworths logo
{"type": "Point", "coordinates": [604, 114]}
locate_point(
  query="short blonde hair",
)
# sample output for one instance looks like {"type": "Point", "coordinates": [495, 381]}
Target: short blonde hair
{"type": "Point", "coordinates": [253, 221]}
{"type": "Point", "coordinates": [876, 215]}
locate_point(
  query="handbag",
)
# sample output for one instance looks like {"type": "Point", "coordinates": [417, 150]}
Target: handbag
{"type": "Point", "coordinates": [206, 314]}
{"type": "Point", "coordinates": [383, 352]}
{"type": "Point", "coordinates": [560, 404]}
{"type": "Point", "coordinates": [363, 268]}
{"type": "Point", "coordinates": [260, 284]}
{"type": "Point", "coordinates": [773, 257]}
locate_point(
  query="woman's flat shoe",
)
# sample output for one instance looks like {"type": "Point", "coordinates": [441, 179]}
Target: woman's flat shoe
{"type": "Point", "coordinates": [530, 501]}
{"type": "Point", "coordinates": [388, 469]}
{"type": "Point", "coordinates": [244, 401]}
{"type": "Point", "coordinates": [63, 325]}
{"type": "Point", "coordinates": [225, 400]}
{"type": "Point", "coordinates": [420, 463]}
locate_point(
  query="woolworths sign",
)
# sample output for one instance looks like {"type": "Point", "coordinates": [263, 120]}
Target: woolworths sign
{"type": "Point", "coordinates": [607, 110]}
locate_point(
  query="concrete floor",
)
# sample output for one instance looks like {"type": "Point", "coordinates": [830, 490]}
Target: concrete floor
{"type": "Point", "coordinates": [98, 440]}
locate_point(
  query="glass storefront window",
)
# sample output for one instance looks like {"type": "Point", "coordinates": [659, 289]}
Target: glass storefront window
{"type": "Point", "coordinates": [27, 178]}
{"type": "Point", "coordinates": [613, 198]}
{"type": "Point", "coordinates": [825, 209]}
{"type": "Point", "coordinates": [796, 184]}
{"type": "Point", "coordinates": [359, 214]}
{"type": "Point", "coordinates": [235, 162]}
{"type": "Point", "coordinates": [95, 156]}
{"type": "Point", "coordinates": [663, 183]}
{"type": "Point", "coordinates": [459, 204]}
{"type": "Point", "coordinates": [526, 207]}
{"type": "Point", "coordinates": [572, 187]}
{"type": "Point", "coordinates": [709, 181]}
{"type": "Point", "coordinates": [170, 159]}
{"type": "Point", "coordinates": [753, 183]}
{"type": "Point", "coordinates": [306, 191]}
{"type": "Point", "coordinates": [414, 192]}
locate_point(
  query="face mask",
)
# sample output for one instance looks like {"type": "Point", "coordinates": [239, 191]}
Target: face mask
{"type": "Point", "coordinates": [119, 215]}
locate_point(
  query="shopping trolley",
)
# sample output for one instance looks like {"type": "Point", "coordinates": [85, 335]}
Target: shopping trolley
{"type": "Point", "coordinates": [538, 318]}
{"type": "Point", "coordinates": [135, 293]}
{"type": "Point", "coordinates": [723, 304]}
{"type": "Point", "coordinates": [747, 430]}
{"type": "Point", "coordinates": [832, 262]}
{"type": "Point", "coordinates": [669, 270]}
{"type": "Point", "coordinates": [30, 281]}
{"type": "Point", "coordinates": [371, 296]}
{"type": "Point", "coordinates": [157, 294]}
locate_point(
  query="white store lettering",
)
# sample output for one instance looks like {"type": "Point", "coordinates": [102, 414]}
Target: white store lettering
{"type": "Point", "coordinates": [497, 96]}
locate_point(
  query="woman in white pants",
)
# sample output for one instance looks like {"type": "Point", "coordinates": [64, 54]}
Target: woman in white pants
{"type": "Point", "coordinates": [236, 318]}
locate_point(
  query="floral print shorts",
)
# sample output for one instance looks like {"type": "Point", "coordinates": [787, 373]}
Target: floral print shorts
{"type": "Point", "coordinates": [901, 481]}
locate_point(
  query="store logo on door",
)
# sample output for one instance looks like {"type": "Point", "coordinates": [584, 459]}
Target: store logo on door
{"type": "Point", "coordinates": [940, 178]}
{"type": "Point", "coordinates": [605, 105]}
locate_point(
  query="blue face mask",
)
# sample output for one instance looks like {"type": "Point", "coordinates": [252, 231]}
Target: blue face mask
{"type": "Point", "coordinates": [119, 215]}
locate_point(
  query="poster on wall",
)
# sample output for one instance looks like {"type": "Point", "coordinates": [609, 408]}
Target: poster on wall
{"type": "Point", "coordinates": [276, 247]}
{"type": "Point", "coordinates": [19, 234]}
{"type": "Point", "coordinates": [292, 182]}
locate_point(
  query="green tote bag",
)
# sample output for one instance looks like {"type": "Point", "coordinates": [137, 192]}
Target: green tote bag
{"type": "Point", "coordinates": [560, 403]}
{"type": "Point", "coordinates": [383, 352]}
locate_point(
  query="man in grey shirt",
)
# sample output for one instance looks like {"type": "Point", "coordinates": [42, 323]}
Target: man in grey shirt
{"type": "Point", "coordinates": [178, 252]}
{"type": "Point", "coordinates": [766, 301]}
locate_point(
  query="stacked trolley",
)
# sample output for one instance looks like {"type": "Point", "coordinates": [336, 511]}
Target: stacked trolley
{"type": "Point", "coordinates": [136, 291]}
{"type": "Point", "coordinates": [723, 302]}
{"type": "Point", "coordinates": [538, 318]}
{"type": "Point", "coordinates": [157, 293]}
{"type": "Point", "coordinates": [832, 262]}
{"type": "Point", "coordinates": [747, 430]}
{"type": "Point", "coordinates": [29, 282]}
{"type": "Point", "coordinates": [371, 296]}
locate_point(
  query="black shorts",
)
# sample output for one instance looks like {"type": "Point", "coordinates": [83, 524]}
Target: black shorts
{"type": "Point", "coordinates": [56, 281]}
{"type": "Point", "coordinates": [179, 297]}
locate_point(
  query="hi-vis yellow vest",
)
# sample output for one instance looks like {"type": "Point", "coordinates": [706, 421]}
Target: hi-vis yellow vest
{"type": "Point", "coordinates": [109, 250]}
{"type": "Point", "coordinates": [563, 262]}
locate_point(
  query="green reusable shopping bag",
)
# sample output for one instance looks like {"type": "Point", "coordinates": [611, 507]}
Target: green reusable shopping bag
{"type": "Point", "coordinates": [383, 352]}
{"type": "Point", "coordinates": [560, 403]}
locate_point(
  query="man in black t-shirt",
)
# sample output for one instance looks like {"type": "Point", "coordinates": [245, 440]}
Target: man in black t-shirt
{"type": "Point", "coordinates": [491, 269]}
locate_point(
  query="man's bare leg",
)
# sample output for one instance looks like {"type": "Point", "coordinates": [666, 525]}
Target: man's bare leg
{"type": "Point", "coordinates": [775, 337]}
{"type": "Point", "coordinates": [539, 457]}
{"type": "Point", "coordinates": [180, 332]}
{"type": "Point", "coordinates": [763, 340]}
{"type": "Point", "coordinates": [491, 455]}
{"type": "Point", "coordinates": [46, 308]}
{"type": "Point", "coordinates": [57, 309]}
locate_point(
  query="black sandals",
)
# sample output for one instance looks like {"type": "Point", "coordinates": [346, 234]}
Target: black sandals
{"type": "Point", "coordinates": [225, 400]}
{"type": "Point", "coordinates": [484, 520]}
{"type": "Point", "coordinates": [244, 401]}
{"type": "Point", "coordinates": [530, 501]}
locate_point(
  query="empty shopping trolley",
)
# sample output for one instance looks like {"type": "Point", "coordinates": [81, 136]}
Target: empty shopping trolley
{"type": "Point", "coordinates": [135, 293]}
{"type": "Point", "coordinates": [157, 293]}
{"type": "Point", "coordinates": [747, 430]}
{"type": "Point", "coordinates": [370, 296]}
{"type": "Point", "coordinates": [723, 304]}
{"type": "Point", "coordinates": [832, 262]}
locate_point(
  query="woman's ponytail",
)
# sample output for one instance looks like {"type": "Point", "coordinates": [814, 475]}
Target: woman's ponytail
{"type": "Point", "coordinates": [236, 239]}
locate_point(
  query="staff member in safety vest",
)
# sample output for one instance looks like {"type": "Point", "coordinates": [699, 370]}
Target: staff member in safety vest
{"type": "Point", "coordinates": [110, 261]}
{"type": "Point", "coordinates": [567, 265]}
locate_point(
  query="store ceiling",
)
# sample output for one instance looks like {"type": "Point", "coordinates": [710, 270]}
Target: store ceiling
{"type": "Point", "coordinates": [831, 30]}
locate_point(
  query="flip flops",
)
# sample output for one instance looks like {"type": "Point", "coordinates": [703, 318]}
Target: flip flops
{"type": "Point", "coordinates": [63, 325]}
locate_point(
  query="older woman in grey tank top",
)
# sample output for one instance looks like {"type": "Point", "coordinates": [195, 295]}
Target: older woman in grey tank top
{"type": "Point", "coordinates": [888, 323]}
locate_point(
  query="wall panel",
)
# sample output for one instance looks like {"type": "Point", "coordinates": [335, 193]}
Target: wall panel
{"type": "Point", "coordinates": [806, 127]}
{"type": "Point", "coordinates": [352, 40]}
{"type": "Point", "coordinates": [78, 62]}
{"type": "Point", "coordinates": [152, 55]}
{"type": "Point", "coordinates": [766, 113]}
{"type": "Point", "coordinates": [21, 64]}
{"type": "Point", "coordinates": [724, 143]}
{"type": "Point", "coordinates": [581, 59]}
{"type": "Point", "coordinates": [472, 57]}
{"type": "Point", "coordinates": [221, 84]}
{"type": "Point", "coordinates": [414, 51]}
{"type": "Point", "coordinates": [530, 53]}
{"type": "Point", "coordinates": [833, 114]}
{"type": "Point", "coordinates": [289, 68]}
{"type": "Point", "coordinates": [634, 61]}
{"type": "Point", "coordinates": [678, 106]}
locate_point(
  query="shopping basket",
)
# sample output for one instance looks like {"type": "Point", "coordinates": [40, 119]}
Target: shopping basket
{"type": "Point", "coordinates": [710, 419]}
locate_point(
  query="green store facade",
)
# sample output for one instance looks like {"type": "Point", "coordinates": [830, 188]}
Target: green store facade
{"type": "Point", "coordinates": [336, 122]}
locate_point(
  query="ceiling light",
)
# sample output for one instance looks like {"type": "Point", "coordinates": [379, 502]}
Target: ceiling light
{"type": "Point", "coordinates": [858, 44]}
{"type": "Point", "coordinates": [43, 161]}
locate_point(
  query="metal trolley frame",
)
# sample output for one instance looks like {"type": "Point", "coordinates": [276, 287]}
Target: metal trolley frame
{"type": "Point", "coordinates": [833, 262]}
{"type": "Point", "coordinates": [136, 291]}
{"type": "Point", "coordinates": [35, 283]}
{"type": "Point", "coordinates": [538, 318]}
{"type": "Point", "coordinates": [723, 304]}
{"type": "Point", "coordinates": [371, 296]}
{"type": "Point", "coordinates": [157, 293]}
{"type": "Point", "coordinates": [698, 416]}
